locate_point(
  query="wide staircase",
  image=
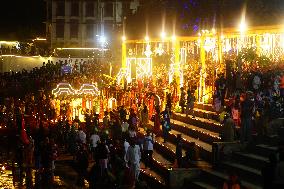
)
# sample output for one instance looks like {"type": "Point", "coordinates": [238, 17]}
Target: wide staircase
{"type": "Point", "coordinates": [203, 131]}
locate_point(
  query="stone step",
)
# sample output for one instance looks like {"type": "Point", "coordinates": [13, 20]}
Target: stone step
{"type": "Point", "coordinates": [160, 164]}
{"type": "Point", "coordinates": [263, 150]}
{"type": "Point", "coordinates": [207, 107]}
{"type": "Point", "coordinates": [200, 184]}
{"type": "Point", "coordinates": [168, 149]}
{"type": "Point", "coordinates": [207, 124]}
{"type": "Point", "coordinates": [217, 178]}
{"type": "Point", "coordinates": [250, 160]}
{"type": "Point", "coordinates": [196, 132]}
{"type": "Point", "coordinates": [204, 150]}
{"type": "Point", "coordinates": [152, 178]}
{"type": "Point", "coordinates": [248, 173]}
{"type": "Point", "coordinates": [206, 114]}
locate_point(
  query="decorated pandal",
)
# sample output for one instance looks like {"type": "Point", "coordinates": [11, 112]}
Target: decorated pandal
{"type": "Point", "coordinates": [205, 54]}
{"type": "Point", "coordinates": [74, 103]}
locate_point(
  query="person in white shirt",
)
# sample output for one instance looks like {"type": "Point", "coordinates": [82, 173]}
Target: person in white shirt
{"type": "Point", "coordinates": [148, 148]}
{"type": "Point", "coordinates": [94, 139]}
{"type": "Point", "coordinates": [124, 127]}
{"type": "Point", "coordinates": [82, 136]}
{"type": "Point", "coordinates": [126, 145]}
{"type": "Point", "coordinates": [133, 157]}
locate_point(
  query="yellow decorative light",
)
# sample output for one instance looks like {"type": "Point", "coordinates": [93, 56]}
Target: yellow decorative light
{"type": "Point", "coordinates": [209, 44]}
{"type": "Point", "coordinates": [9, 42]}
{"type": "Point", "coordinates": [81, 48]}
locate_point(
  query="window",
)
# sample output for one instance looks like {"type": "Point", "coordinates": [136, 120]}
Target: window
{"type": "Point", "coordinates": [60, 8]}
{"type": "Point", "coordinates": [74, 9]}
{"type": "Point", "coordinates": [59, 29]}
{"type": "Point", "coordinates": [74, 28]}
{"type": "Point", "coordinates": [108, 10]}
{"type": "Point", "coordinates": [90, 31]}
{"type": "Point", "coordinates": [90, 9]}
{"type": "Point", "coordinates": [108, 27]}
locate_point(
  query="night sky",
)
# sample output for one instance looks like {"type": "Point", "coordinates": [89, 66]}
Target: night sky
{"type": "Point", "coordinates": [21, 19]}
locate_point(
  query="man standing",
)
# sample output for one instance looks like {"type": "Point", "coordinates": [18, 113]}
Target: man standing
{"type": "Point", "coordinates": [148, 149]}
{"type": "Point", "coordinates": [229, 129]}
{"type": "Point", "coordinates": [182, 100]}
{"type": "Point", "coordinates": [246, 118]}
{"type": "Point", "coordinates": [166, 124]}
{"type": "Point", "coordinates": [144, 117]}
{"type": "Point", "coordinates": [82, 136]}
{"type": "Point", "coordinates": [190, 103]}
{"type": "Point", "coordinates": [124, 128]}
{"type": "Point", "coordinates": [94, 139]}
{"type": "Point", "coordinates": [222, 87]}
{"type": "Point", "coordinates": [133, 157]}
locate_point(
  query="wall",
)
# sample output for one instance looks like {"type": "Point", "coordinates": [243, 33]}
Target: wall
{"type": "Point", "coordinates": [18, 63]}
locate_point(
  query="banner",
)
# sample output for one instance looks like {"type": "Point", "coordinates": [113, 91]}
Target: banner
{"type": "Point", "coordinates": [66, 69]}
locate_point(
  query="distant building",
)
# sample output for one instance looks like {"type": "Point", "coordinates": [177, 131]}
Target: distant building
{"type": "Point", "coordinates": [83, 23]}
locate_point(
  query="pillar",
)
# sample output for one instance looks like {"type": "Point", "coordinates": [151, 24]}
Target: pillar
{"type": "Point", "coordinates": [123, 55]}
{"type": "Point", "coordinates": [258, 44]}
{"type": "Point", "coordinates": [220, 49]}
{"type": "Point", "coordinates": [201, 90]}
{"type": "Point", "coordinates": [176, 46]}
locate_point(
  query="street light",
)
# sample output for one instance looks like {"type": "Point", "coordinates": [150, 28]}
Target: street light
{"type": "Point", "coordinates": [174, 38]}
{"type": "Point", "coordinates": [163, 35]}
{"type": "Point", "coordinates": [243, 26]}
{"type": "Point", "coordinates": [123, 38]}
{"type": "Point", "coordinates": [102, 40]}
{"type": "Point", "coordinates": [147, 38]}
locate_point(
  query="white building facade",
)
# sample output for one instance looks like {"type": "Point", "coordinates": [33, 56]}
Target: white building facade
{"type": "Point", "coordinates": [81, 23]}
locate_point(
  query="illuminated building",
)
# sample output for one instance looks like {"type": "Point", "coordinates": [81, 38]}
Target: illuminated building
{"type": "Point", "coordinates": [83, 23]}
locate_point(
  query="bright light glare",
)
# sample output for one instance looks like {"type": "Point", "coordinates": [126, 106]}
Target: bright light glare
{"type": "Point", "coordinates": [243, 27]}
{"type": "Point", "coordinates": [147, 38]}
{"type": "Point", "coordinates": [123, 38]}
{"type": "Point", "coordinates": [174, 37]}
{"type": "Point", "coordinates": [163, 35]}
{"type": "Point", "coordinates": [102, 39]}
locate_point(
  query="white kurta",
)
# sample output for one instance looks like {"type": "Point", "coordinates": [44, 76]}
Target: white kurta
{"type": "Point", "coordinates": [133, 157]}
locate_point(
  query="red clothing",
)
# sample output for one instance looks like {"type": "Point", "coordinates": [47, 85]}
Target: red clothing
{"type": "Point", "coordinates": [157, 123]}
{"type": "Point", "coordinates": [282, 82]}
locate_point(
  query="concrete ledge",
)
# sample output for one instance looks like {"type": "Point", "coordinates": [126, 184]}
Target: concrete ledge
{"type": "Point", "coordinates": [221, 150]}
{"type": "Point", "coordinates": [177, 176]}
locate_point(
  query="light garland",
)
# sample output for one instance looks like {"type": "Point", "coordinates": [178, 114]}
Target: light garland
{"type": "Point", "coordinates": [144, 67]}
{"type": "Point", "coordinates": [148, 51]}
{"type": "Point", "coordinates": [177, 67]}
{"type": "Point", "coordinates": [160, 51]}
{"type": "Point", "coordinates": [66, 88]}
{"type": "Point", "coordinates": [126, 72]}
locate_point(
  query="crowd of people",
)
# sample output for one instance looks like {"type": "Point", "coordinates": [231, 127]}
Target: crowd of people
{"type": "Point", "coordinates": [253, 106]}
{"type": "Point", "coordinates": [114, 146]}
{"type": "Point", "coordinates": [106, 155]}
